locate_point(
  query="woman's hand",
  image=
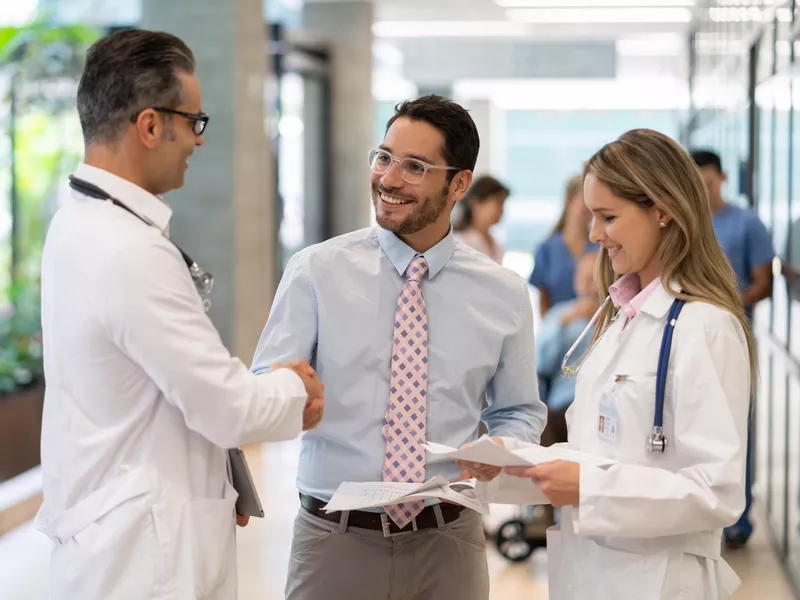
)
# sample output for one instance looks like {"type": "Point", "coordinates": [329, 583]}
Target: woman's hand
{"type": "Point", "coordinates": [560, 480]}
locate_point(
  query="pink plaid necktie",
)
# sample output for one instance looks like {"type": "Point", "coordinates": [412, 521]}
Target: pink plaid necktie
{"type": "Point", "coordinates": [404, 425]}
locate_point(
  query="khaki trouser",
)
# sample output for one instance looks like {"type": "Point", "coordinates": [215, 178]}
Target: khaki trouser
{"type": "Point", "coordinates": [331, 561]}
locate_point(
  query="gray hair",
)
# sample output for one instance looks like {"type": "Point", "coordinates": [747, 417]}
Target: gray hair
{"type": "Point", "coordinates": [125, 73]}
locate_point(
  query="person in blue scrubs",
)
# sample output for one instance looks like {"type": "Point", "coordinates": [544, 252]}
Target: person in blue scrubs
{"type": "Point", "coordinates": [554, 264]}
{"type": "Point", "coordinates": [748, 246]}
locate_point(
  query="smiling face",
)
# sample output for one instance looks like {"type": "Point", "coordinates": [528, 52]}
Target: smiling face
{"type": "Point", "coordinates": [629, 231]}
{"type": "Point", "coordinates": [422, 208]}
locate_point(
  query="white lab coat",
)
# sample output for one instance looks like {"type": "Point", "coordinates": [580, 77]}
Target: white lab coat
{"type": "Point", "coordinates": [142, 401]}
{"type": "Point", "coordinates": [650, 527]}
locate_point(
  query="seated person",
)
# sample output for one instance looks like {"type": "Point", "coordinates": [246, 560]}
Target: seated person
{"type": "Point", "coordinates": [560, 327]}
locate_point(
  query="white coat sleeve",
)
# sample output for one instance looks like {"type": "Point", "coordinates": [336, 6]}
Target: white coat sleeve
{"type": "Point", "coordinates": [711, 384]}
{"type": "Point", "coordinates": [155, 315]}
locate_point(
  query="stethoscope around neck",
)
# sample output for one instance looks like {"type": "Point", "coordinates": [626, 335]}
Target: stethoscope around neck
{"type": "Point", "coordinates": [656, 442]}
{"type": "Point", "coordinates": [203, 280]}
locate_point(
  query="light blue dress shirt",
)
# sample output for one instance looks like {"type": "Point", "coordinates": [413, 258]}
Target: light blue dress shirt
{"type": "Point", "coordinates": [335, 307]}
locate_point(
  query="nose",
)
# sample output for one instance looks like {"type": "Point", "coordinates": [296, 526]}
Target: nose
{"type": "Point", "coordinates": [392, 179]}
{"type": "Point", "coordinates": [596, 233]}
{"type": "Point", "coordinates": [199, 140]}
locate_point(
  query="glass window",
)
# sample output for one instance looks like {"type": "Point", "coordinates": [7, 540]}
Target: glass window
{"type": "Point", "coordinates": [544, 148]}
{"type": "Point", "coordinates": [778, 445]}
{"type": "Point", "coordinates": [794, 472]}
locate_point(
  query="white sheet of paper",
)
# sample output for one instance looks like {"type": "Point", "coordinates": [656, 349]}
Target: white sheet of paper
{"type": "Point", "coordinates": [487, 452]}
{"type": "Point", "coordinates": [360, 495]}
{"type": "Point", "coordinates": [506, 489]}
{"type": "Point", "coordinates": [484, 450]}
{"type": "Point", "coordinates": [352, 495]}
{"type": "Point", "coordinates": [459, 492]}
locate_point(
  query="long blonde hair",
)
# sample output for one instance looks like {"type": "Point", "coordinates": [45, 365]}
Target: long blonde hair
{"type": "Point", "coordinates": [649, 168]}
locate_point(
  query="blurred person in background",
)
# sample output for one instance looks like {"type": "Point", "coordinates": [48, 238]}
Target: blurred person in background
{"type": "Point", "coordinates": [748, 246]}
{"type": "Point", "coordinates": [554, 264]}
{"type": "Point", "coordinates": [560, 328]}
{"type": "Point", "coordinates": [482, 209]}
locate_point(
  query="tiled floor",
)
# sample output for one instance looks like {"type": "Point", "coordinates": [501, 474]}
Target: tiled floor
{"type": "Point", "coordinates": [264, 548]}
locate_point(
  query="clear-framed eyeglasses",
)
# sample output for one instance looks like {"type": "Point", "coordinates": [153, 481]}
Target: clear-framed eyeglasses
{"type": "Point", "coordinates": [412, 170]}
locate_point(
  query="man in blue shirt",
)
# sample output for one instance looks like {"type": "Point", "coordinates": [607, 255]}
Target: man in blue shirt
{"type": "Point", "coordinates": [748, 246]}
{"type": "Point", "coordinates": [344, 305]}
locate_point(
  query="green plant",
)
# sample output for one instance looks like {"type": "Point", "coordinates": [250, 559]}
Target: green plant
{"type": "Point", "coordinates": [21, 338]}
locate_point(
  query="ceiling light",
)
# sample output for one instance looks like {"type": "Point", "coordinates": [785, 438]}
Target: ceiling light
{"type": "Point", "coordinates": [742, 14]}
{"type": "Point", "coordinates": [633, 47]}
{"type": "Point", "coordinates": [591, 3]}
{"type": "Point", "coordinates": [414, 29]}
{"type": "Point", "coordinates": [600, 15]}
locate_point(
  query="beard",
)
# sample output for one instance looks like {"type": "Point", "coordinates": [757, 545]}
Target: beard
{"type": "Point", "coordinates": [424, 213]}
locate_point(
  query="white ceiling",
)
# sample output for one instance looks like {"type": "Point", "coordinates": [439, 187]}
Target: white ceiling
{"type": "Point", "coordinates": [503, 18]}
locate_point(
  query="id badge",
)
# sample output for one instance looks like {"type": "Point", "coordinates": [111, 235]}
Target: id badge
{"type": "Point", "coordinates": [608, 421]}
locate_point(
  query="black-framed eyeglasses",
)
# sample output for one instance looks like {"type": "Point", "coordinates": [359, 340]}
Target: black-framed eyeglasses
{"type": "Point", "coordinates": [199, 120]}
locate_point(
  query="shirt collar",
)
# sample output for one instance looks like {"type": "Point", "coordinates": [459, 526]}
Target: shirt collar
{"type": "Point", "coordinates": [152, 209]}
{"type": "Point", "coordinates": [627, 293]}
{"type": "Point", "coordinates": [401, 254]}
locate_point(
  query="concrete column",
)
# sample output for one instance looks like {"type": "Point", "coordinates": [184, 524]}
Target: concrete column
{"type": "Point", "coordinates": [490, 121]}
{"type": "Point", "coordinates": [224, 216]}
{"type": "Point", "coordinates": [347, 27]}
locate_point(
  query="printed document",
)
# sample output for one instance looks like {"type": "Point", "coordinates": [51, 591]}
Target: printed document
{"type": "Point", "coordinates": [360, 495]}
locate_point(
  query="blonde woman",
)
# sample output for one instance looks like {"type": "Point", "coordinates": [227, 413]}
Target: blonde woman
{"type": "Point", "coordinates": [649, 527]}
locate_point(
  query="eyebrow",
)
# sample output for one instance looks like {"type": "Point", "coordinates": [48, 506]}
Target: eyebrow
{"type": "Point", "coordinates": [416, 156]}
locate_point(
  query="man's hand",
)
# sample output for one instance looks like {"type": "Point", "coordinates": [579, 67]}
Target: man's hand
{"type": "Point", "coordinates": [480, 471]}
{"type": "Point", "coordinates": [242, 520]}
{"type": "Point", "coordinates": [315, 405]}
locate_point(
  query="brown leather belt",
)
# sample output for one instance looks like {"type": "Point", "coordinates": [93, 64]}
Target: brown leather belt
{"type": "Point", "coordinates": [380, 521]}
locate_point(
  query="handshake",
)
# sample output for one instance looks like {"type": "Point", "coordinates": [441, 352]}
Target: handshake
{"type": "Point", "coordinates": [315, 405]}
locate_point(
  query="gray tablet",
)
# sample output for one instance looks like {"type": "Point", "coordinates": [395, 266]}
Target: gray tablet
{"type": "Point", "coordinates": [248, 502]}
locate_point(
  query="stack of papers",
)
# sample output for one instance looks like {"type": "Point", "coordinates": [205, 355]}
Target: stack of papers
{"type": "Point", "coordinates": [487, 452]}
{"type": "Point", "coordinates": [504, 489]}
{"type": "Point", "coordinates": [360, 495]}
{"type": "Point", "coordinates": [507, 489]}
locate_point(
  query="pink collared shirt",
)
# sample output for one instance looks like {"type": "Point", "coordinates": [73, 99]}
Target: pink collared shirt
{"type": "Point", "coordinates": [627, 294]}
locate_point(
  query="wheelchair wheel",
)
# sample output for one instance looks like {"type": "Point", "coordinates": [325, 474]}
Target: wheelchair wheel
{"type": "Point", "coordinates": [512, 543]}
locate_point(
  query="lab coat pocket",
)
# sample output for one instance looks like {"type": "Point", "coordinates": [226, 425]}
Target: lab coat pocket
{"type": "Point", "coordinates": [618, 575]}
{"type": "Point", "coordinates": [115, 556]}
{"type": "Point", "coordinates": [212, 523]}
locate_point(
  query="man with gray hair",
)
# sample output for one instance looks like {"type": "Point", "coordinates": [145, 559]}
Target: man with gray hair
{"type": "Point", "coordinates": [142, 397]}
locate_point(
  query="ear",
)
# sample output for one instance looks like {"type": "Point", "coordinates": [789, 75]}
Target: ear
{"type": "Point", "coordinates": [662, 216]}
{"type": "Point", "coordinates": [460, 185]}
{"type": "Point", "coordinates": [149, 128]}
{"type": "Point", "coordinates": [724, 176]}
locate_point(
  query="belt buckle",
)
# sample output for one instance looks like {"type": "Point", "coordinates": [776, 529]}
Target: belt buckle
{"type": "Point", "coordinates": [385, 523]}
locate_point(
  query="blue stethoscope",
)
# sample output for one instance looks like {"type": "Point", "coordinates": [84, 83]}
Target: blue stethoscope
{"type": "Point", "coordinates": [656, 442]}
